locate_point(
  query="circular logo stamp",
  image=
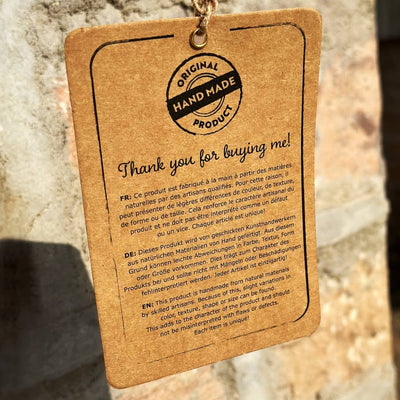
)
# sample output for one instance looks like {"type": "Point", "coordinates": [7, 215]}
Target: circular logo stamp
{"type": "Point", "coordinates": [204, 94]}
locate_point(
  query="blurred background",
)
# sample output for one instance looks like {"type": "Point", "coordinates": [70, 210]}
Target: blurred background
{"type": "Point", "coordinates": [388, 13]}
{"type": "Point", "coordinates": [50, 347]}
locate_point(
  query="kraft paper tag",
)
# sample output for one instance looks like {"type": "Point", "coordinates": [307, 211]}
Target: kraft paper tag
{"type": "Point", "coordinates": [197, 172]}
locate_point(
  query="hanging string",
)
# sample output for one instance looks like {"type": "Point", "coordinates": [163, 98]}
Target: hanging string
{"type": "Point", "coordinates": [204, 10]}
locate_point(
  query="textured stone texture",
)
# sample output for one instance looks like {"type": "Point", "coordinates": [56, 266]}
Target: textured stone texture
{"type": "Point", "coordinates": [50, 341]}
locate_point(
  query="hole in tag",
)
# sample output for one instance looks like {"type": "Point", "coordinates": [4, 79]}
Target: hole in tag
{"type": "Point", "coordinates": [198, 38]}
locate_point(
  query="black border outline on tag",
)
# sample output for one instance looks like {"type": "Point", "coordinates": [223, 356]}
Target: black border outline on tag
{"type": "Point", "coordinates": [302, 174]}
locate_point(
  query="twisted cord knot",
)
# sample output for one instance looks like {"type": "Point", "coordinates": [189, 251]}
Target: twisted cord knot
{"type": "Point", "coordinates": [204, 10]}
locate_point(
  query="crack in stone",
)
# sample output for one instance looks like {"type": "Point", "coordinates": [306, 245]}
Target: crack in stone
{"type": "Point", "coordinates": [37, 216]}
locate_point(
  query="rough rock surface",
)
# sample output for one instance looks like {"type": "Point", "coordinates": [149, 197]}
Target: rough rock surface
{"type": "Point", "coordinates": [45, 276]}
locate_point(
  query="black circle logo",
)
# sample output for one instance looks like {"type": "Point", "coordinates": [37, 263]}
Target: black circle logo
{"type": "Point", "coordinates": [204, 94]}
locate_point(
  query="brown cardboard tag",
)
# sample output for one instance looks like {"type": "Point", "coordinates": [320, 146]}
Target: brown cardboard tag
{"type": "Point", "coordinates": [197, 172]}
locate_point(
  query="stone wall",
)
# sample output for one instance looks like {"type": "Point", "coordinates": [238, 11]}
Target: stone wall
{"type": "Point", "coordinates": [50, 347]}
